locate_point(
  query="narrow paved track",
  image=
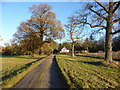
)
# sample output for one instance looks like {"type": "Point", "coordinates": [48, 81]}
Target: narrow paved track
{"type": "Point", "coordinates": [45, 75]}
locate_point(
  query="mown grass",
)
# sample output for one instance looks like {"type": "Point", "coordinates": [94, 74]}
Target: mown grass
{"type": "Point", "coordinates": [115, 55]}
{"type": "Point", "coordinates": [85, 72]}
{"type": "Point", "coordinates": [14, 68]}
{"type": "Point", "coordinates": [11, 63]}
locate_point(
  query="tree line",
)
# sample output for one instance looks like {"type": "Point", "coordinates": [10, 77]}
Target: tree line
{"type": "Point", "coordinates": [88, 44]}
{"type": "Point", "coordinates": [91, 45]}
{"type": "Point", "coordinates": [38, 33]}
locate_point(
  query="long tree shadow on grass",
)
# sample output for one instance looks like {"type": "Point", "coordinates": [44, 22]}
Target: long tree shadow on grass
{"type": "Point", "coordinates": [22, 57]}
{"type": "Point", "coordinates": [13, 73]}
{"type": "Point", "coordinates": [91, 56]}
{"type": "Point", "coordinates": [27, 57]}
{"type": "Point", "coordinates": [97, 57]}
{"type": "Point", "coordinates": [96, 63]}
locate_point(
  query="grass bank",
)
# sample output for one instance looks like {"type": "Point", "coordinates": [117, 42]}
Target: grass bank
{"type": "Point", "coordinates": [85, 72]}
{"type": "Point", "coordinates": [15, 68]}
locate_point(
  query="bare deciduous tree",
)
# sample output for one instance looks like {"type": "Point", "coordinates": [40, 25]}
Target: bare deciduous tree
{"type": "Point", "coordinates": [102, 15]}
{"type": "Point", "coordinates": [73, 31]}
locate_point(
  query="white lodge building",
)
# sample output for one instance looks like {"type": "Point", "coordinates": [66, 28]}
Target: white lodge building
{"type": "Point", "coordinates": [64, 50]}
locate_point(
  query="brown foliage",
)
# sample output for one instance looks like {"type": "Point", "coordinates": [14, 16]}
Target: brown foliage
{"type": "Point", "coordinates": [41, 25]}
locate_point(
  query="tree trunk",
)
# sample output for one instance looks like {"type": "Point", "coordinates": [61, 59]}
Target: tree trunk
{"type": "Point", "coordinates": [41, 43]}
{"type": "Point", "coordinates": [33, 48]}
{"type": "Point", "coordinates": [108, 46]}
{"type": "Point", "coordinates": [73, 49]}
{"type": "Point", "coordinates": [87, 49]}
{"type": "Point", "coordinates": [108, 40]}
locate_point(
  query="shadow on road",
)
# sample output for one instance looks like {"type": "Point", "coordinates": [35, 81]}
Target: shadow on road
{"type": "Point", "coordinates": [56, 79]}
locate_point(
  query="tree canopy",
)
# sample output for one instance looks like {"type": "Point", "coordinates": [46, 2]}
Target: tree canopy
{"type": "Point", "coordinates": [42, 25]}
{"type": "Point", "coordinates": [102, 16]}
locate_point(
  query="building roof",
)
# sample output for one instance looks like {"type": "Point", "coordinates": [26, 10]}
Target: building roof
{"type": "Point", "coordinates": [64, 50]}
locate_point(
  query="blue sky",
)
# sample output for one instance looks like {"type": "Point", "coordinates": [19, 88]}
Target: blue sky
{"type": "Point", "coordinates": [15, 12]}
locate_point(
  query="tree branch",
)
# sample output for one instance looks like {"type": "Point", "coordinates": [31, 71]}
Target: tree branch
{"type": "Point", "coordinates": [116, 20]}
{"type": "Point", "coordinates": [101, 6]}
{"type": "Point", "coordinates": [96, 31]}
{"type": "Point", "coordinates": [115, 32]}
{"type": "Point", "coordinates": [93, 26]}
{"type": "Point", "coordinates": [98, 14]}
{"type": "Point", "coordinates": [116, 7]}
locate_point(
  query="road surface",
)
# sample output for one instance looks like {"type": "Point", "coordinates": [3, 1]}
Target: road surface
{"type": "Point", "coordinates": [45, 75]}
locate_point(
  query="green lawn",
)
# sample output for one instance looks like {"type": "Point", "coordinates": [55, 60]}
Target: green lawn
{"type": "Point", "coordinates": [85, 72]}
{"type": "Point", "coordinates": [10, 63]}
{"type": "Point", "coordinates": [15, 67]}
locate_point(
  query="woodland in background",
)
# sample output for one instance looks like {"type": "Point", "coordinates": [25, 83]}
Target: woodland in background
{"type": "Point", "coordinates": [37, 35]}
{"type": "Point", "coordinates": [25, 48]}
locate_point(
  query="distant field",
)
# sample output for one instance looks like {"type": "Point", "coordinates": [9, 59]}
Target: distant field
{"type": "Point", "coordinates": [13, 65]}
{"type": "Point", "coordinates": [85, 72]}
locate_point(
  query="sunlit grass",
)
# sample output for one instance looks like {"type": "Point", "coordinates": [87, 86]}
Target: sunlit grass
{"type": "Point", "coordinates": [85, 72]}
{"type": "Point", "coordinates": [15, 67]}
{"type": "Point", "coordinates": [9, 63]}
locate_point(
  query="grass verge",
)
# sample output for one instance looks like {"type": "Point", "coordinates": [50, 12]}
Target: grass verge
{"type": "Point", "coordinates": [13, 77]}
{"type": "Point", "coordinates": [85, 72]}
